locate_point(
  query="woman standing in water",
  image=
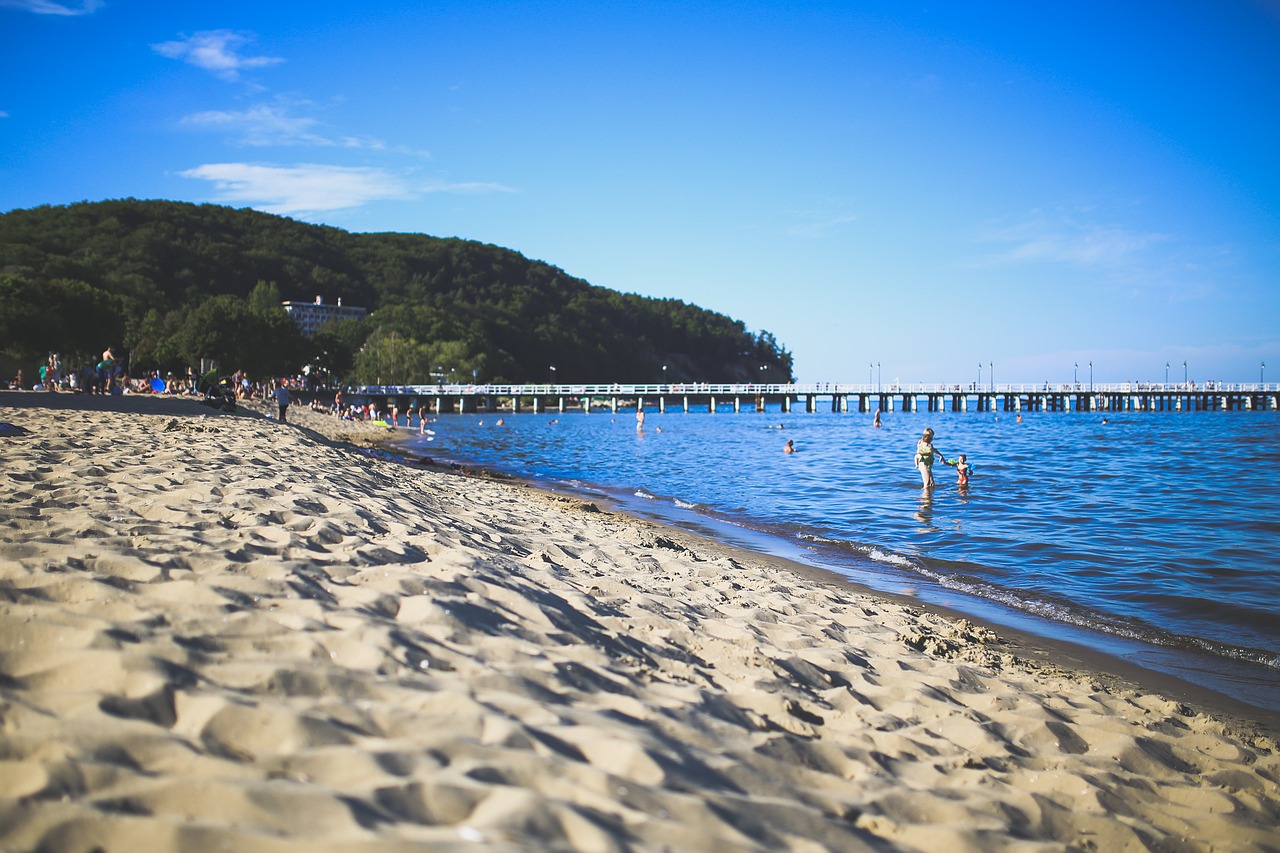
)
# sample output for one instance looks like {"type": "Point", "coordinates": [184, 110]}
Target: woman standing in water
{"type": "Point", "coordinates": [925, 455]}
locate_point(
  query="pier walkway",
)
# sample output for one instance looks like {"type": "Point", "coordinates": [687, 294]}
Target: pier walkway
{"type": "Point", "coordinates": [1120, 397]}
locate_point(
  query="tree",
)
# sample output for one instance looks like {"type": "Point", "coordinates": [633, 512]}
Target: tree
{"type": "Point", "coordinates": [153, 341]}
{"type": "Point", "coordinates": [217, 328]}
{"type": "Point", "coordinates": [23, 318]}
{"type": "Point", "coordinates": [265, 299]}
{"type": "Point", "coordinates": [335, 346]}
{"type": "Point", "coordinates": [389, 358]}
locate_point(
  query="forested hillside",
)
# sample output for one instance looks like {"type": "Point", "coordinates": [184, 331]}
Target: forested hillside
{"type": "Point", "coordinates": [170, 283]}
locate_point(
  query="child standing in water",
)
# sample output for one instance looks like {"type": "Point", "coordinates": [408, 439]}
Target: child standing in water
{"type": "Point", "coordinates": [963, 469]}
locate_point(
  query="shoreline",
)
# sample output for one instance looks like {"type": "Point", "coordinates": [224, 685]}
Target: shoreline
{"type": "Point", "coordinates": [219, 628]}
{"type": "Point", "coordinates": [1051, 650]}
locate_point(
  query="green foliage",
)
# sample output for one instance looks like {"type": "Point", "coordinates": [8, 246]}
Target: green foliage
{"type": "Point", "coordinates": [177, 282]}
{"type": "Point", "coordinates": [336, 345]}
{"type": "Point", "coordinates": [389, 358]}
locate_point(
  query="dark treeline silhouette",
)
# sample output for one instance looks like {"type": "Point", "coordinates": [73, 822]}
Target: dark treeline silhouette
{"type": "Point", "coordinates": [171, 283]}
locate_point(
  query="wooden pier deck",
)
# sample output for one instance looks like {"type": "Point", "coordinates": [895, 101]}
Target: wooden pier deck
{"type": "Point", "coordinates": [1120, 397]}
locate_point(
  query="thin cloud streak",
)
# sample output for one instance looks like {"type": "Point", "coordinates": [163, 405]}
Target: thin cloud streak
{"type": "Point", "coordinates": [259, 125]}
{"type": "Point", "coordinates": [305, 188]}
{"type": "Point", "coordinates": [48, 7]}
{"type": "Point", "coordinates": [264, 125]}
{"type": "Point", "coordinates": [310, 188]}
{"type": "Point", "coordinates": [216, 51]}
{"type": "Point", "coordinates": [1067, 242]}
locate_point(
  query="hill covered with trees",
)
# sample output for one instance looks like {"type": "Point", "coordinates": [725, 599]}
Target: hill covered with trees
{"type": "Point", "coordinates": [172, 283]}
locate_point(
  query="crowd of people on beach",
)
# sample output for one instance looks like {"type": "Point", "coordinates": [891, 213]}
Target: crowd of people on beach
{"type": "Point", "coordinates": [105, 376]}
{"type": "Point", "coordinates": [109, 376]}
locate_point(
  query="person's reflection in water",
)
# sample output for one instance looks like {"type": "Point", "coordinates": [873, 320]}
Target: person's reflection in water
{"type": "Point", "coordinates": [924, 514]}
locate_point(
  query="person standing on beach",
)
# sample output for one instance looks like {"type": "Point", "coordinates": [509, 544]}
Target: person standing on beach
{"type": "Point", "coordinates": [282, 400]}
{"type": "Point", "coordinates": [925, 454]}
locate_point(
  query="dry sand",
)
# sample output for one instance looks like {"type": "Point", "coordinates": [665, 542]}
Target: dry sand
{"type": "Point", "coordinates": [218, 632]}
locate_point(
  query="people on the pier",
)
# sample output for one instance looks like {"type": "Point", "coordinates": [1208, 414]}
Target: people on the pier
{"type": "Point", "coordinates": [925, 454]}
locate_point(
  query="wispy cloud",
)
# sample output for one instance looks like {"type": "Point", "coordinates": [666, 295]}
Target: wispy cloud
{"type": "Point", "coordinates": [217, 51]}
{"type": "Point", "coordinates": [310, 188]}
{"type": "Point", "coordinates": [821, 227]}
{"type": "Point", "coordinates": [267, 124]}
{"type": "Point", "coordinates": [467, 188]}
{"type": "Point", "coordinates": [301, 189]}
{"type": "Point", "coordinates": [260, 125]}
{"type": "Point", "coordinates": [48, 7]}
{"type": "Point", "coordinates": [1069, 240]}
{"type": "Point", "coordinates": [820, 218]}
{"type": "Point", "coordinates": [1093, 246]}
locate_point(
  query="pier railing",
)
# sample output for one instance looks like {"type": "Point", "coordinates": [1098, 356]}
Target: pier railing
{"type": "Point", "coordinates": [821, 389]}
{"type": "Point", "coordinates": [838, 397]}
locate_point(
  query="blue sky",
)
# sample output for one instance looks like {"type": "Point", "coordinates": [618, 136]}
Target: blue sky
{"type": "Point", "coordinates": [928, 187]}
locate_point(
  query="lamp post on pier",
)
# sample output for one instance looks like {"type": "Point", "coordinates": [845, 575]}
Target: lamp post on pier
{"type": "Point", "coordinates": [1166, 374]}
{"type": "Point", "coordinates": [978, 387]}
{"type": "Point", "coordinates": [1262, 376]}
{"type": "Point", "coordinates": [871, 367]}
{"type": "Point", "coordinates": [1091, 377]}
{"type": "Point", "coordinates": [1185, 381]}
{"type": "Point", "coordinates": [991, 375]}
{"type": "Point", "coordinates": [1075, 373]}
{"type": "Point", "coordinates": [877, 377]}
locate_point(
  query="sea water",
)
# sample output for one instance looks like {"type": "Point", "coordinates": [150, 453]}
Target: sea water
{"type": "Point", "coordinates": [1152, 536]}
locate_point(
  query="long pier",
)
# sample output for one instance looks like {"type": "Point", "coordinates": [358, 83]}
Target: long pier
{"type": "Point", "coordinates": [834, 397]}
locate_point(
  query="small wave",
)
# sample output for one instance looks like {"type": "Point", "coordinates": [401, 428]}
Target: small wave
{"type": "Point", "coordinates": [580, 486]}
{"type": "Point", "coordinates": [871, 552]}
{"type": "Point", "coordinates": [1092, 620]}
{"type": "Point", "coordinates": [684, 504]}
{"type": "Point", "coordinates": [891, 558]}
{"type": "Point", "coordinates": [641, 493]}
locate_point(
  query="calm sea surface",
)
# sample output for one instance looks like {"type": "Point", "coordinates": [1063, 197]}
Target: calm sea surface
{"type": "Point", "coordinates": [1154, 537]}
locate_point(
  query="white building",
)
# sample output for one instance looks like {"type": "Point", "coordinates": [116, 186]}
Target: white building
{"type": "Point", "coordinates": [310, 316]}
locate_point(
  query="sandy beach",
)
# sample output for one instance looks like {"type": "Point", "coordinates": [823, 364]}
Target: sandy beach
{"type": "Point", "coordinates": [219, 632]}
